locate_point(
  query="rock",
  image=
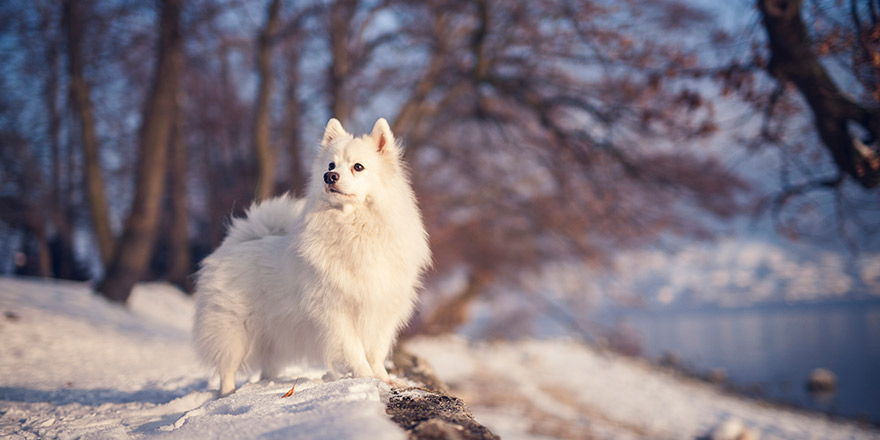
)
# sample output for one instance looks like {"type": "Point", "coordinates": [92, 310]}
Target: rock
{"type": "Point", "coordinates": [429, 412]}
{"type": "Point", "coordinates": [426, 415]}
{"type": "Point", "coordinates": [416, 370]}
{"type": "Point", "coordinates": [670, 359]}
{"type": "Point", "coordinates": [439, 429]}
{"type": "Point", "coordinates": [733, 429]}
{"type": "Point", "coordinates": [821, 380]}
{"type": "Point", "coordinates": [717, 375]}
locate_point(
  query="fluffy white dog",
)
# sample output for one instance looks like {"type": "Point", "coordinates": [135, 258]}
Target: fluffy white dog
{"type": "Point", "coordinates": [329, 278]}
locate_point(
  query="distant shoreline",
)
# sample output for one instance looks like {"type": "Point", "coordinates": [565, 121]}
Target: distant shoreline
{"type": "Point", "coordinates": [873, 301]}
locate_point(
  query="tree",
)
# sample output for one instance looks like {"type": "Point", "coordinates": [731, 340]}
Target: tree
{"type": "Point", "coordinates": [539, 133]}
{"type": "Point", "coordinates": [59, 201]}
{"type": "Point", "coordinates": [179, 255]}
{"type": "Point", "coordinates": [80, 95]}
{"type": "Point", "coordinates": [292, 119]}
{"type": "Point", "coordinates": [341, 18]}
{"type": "Point", "coordinates": [816, 111]}
{"type": "Point", "coordinates": [134, 249]}
{"type": "Point", "coordinates": [548, 143]}
{"type": "Point", "coordinates": [26, 215]}
{"type": "Point", "coordinates": [262, 142]}
{"type": "Point", "coordinates": [793, 59]}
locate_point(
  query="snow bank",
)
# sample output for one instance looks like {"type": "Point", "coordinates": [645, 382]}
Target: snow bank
{"type": "Point", "coordinates": [344, 409]}
{"type": "Point", "coordinates": [75, 366]}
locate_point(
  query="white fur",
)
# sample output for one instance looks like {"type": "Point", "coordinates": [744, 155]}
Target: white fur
{"type": "Point", "coordinates": [327, 279]}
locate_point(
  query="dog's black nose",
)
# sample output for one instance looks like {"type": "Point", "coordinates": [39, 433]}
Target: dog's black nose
{"type": "Point", "coordinates": [331, 177]}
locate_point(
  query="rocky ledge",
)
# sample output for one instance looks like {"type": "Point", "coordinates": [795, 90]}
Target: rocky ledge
{"type": "Point", "coordinates": [428, 411]}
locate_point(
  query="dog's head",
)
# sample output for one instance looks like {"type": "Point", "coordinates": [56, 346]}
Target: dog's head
{"type": "Point", "coordinates": [354, 170]}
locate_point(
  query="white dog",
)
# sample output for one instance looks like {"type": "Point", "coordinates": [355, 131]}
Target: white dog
{"type": "Point", "coordinates": [330, 278]}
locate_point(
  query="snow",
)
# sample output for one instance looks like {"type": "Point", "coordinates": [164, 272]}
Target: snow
{"type": "Point", "coordinates": [563, 389]}
{"type": "Point", "coordinates": [74, 366]}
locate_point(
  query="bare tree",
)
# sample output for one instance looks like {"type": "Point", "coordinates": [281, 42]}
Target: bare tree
{"type": "Point", "coordinates": [79, 88]}
{"type": "Point", "coordinates": [262, 142]}
{"type": "Point", "coordinates": [220, 142]}
{"type": "Point", "coordinates": [417, 106]}
{"type": "Point", "coordinates": [341, 18]}
{"type": "Point", "coordinates": [794, 59]}
{"type": "Point", "coordinates": [179, 256]}
{"type": "Point", "coordinates": [817, 111]}
{"type": "Point", "coordinates": [135, 247]}
{"type": "Point", "coordinates": [51, 22]}
{"type": "Point", "coordinates": [559, 165]}
{"type": "Point", "coordinates": [537, 132]}
{"type": "Point", "coordinates": [27, 215]}
{"type": "Point", "coordinates": [290, 127]}
{"type": "Point", "coordinates": [291, 130]}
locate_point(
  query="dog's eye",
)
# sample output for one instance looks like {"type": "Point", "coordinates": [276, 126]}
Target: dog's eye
{"type": "Point", "coordinates": [358, 167]}
{"type": "Point", "coordinates": [332, 165]}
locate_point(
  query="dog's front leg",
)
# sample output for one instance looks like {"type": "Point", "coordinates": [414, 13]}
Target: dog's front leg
{"type": "Point", "coordinates": [345, 352]}
{"type": "Point", "coordinates": [377, 351]}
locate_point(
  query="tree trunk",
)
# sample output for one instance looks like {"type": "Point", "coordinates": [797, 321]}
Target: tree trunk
{"type": "Point", "coordinates": [793, 59]}
{"type": "Point", "coordinates": [265, 154]}
{"type": "Point", "coordinates": [45, 260]}
{"type": "Point", "coordinates": [135, 248]}
{"type": "Point", "coordinates": [57, 204]}
{"type": "Point", "coordinates": [298, 176]}
{"type": "Point", "coordinates": [80, 94]}
{"type": "Point", "coordinates": [290, 129]}
{"type": "Point", "coordinates": [179, 258]}
{"type": "Point", "coordinates": [454, 312]}
{"type": "Point", "coordinates": [409, 120]}
{"type": "Point", "coordinates": [341, 15]}
{"type": "Point", "coordinates": [34, 247]}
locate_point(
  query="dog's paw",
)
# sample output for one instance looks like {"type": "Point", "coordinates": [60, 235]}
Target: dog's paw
{"type": "Point", "coordinates": [330, 376]}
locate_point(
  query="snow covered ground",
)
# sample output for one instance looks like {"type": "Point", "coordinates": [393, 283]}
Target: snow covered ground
{"type": "Point", "coordinates": [74, 366]}
{"type": "Point", "coordinates": [563, 389]}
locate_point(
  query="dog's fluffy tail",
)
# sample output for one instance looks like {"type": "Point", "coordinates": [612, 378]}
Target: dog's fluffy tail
{"type": "Point", "coordinates": [270, 217]}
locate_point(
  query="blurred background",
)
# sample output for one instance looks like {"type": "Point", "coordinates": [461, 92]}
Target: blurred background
{"type": "Point", "coordinates": [691, 181]}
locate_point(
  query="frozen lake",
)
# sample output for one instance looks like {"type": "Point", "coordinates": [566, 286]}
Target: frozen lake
{"type": "Point", "coordinates": [775, 348]}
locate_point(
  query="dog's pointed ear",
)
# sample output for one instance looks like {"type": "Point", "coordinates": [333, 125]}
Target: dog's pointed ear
{"type": "Point", "coordinates": [333, 131]}
{"type": "Point", "coordinates": [382, 136]}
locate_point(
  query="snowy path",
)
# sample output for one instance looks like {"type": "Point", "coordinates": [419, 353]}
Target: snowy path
{"type": "Point", "coordinates": [560, 389]}
{"type": "Point", "coordinates": [74, 366]}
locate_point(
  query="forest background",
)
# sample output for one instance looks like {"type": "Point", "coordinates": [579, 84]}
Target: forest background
{"type": "Point", "coordinates": [540, 134]}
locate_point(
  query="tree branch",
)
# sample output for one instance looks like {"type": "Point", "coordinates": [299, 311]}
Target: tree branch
{"type": "Point", "coordinates": [793, 59]}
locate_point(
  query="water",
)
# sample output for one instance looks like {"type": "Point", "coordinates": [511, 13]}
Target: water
{"type": "Point", "coordinates": [776, 348]}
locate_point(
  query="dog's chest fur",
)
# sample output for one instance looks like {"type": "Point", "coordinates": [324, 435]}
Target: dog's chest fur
{"type": "Point", "coordinates": [354, 250]}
